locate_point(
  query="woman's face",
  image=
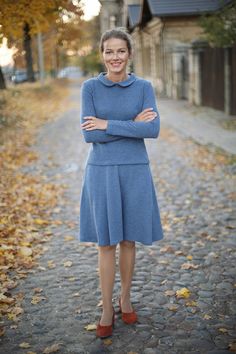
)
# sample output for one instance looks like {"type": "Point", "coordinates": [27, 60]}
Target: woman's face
{"type": "Point", "coordinates": [115, 55]}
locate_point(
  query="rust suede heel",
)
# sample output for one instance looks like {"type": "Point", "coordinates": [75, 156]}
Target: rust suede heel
{"type": "Point", "coordinates": [128, 317]}
{"type": "Point", "coordinates": [105, 331]}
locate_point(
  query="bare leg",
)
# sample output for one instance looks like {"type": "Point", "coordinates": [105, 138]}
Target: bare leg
{"type": "Point", "coordinates": [107, 270]}
{"type": "Point", "coordinates": [126, 264]}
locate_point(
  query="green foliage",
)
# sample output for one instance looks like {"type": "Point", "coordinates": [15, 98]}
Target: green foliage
{"type": "Point", "coordinates": [220, 27]}
{"type": "Point", "coordinates": [91, 62]}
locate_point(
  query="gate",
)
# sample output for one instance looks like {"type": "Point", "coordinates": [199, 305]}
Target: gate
{"type": "Point", "coordinates": [232, 59]}
{"type": "Point", "coordinates": [212, 77]}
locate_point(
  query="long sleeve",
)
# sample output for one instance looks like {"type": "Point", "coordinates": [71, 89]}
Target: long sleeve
{"type": "Point", "coordinates": [132, 129]}
{"type": "Point", "coordinates": [88, 109]}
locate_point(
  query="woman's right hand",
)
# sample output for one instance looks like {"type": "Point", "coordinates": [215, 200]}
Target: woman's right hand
{"type": "Point", "coordinates": [146, 115]}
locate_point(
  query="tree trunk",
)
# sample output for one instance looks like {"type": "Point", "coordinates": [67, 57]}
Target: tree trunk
{"type": "Point", "coordinates": [28, 53]}
{"type": "Point", "coordinates": [2, 80]}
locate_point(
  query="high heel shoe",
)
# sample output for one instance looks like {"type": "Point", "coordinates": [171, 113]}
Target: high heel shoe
{"type": "Point", "coordinates": [128, 317]}
{"type": "Point", "coordinates": [105, 331]}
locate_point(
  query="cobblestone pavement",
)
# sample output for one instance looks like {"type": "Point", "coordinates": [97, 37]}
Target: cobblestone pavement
{"type": "Point", "coordinates": [205, 125]}
{"type": "Point", "coordinates": [196, 196]}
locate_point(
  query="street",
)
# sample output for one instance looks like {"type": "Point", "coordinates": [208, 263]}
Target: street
{"type": "Point", "coordinates": [195, 189]}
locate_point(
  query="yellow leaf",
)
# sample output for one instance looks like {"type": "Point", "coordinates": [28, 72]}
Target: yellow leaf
{"type": "Point", "coordinates": [90, 327]}
{"type": "Point", "coordinates": [31, 352]}
{"type": "Point", "coordinates": [25, 251]}
{"type": "Point", "coordinates": [67, 264]}
{"type": "Point", "coordinates": [183, 293]}
{"type": "Point", "coordinates": [189, 257]}
{"type": "Point", "coordinates": [36, 299]}
{"type": "Point", "coordinates": [40, 222]}
{"type": "Point", "coordinates": [69, 238]}
{"type": "Point", "coordinates": [207, 317]}
{"type": "Point", "coordinates": [11, 316]}
{"type": "Point", "coordinates": [51, 264]}
{"type": "Point", "coordinates": [72, 279]}
{"type": "Point", "coordinates": [24, 345]}
{"type": "Point", "coordinates": [107, 341]}
{"type": "Point", "coordinates": [223, 330]}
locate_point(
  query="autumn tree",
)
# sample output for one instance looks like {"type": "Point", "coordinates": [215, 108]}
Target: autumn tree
{"type": "Point", "coordinates": [25, 18]}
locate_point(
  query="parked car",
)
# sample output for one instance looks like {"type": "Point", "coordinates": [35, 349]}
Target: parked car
{"type": "Point", "coordinates": [19, 76]}
{"type": "Point", "coordinates": [70, 72]}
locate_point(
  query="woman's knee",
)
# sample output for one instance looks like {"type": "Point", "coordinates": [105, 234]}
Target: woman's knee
{"type": "Point", "coordinates": [127, 244]}
{"type": "Point", "coordinates": [111, 248]}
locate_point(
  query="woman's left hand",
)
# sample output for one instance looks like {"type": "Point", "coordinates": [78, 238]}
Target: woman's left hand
{"type": "Point", "coordinates": [93, 123]}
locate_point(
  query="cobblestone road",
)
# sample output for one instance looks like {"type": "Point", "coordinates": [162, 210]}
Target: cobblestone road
{"type": "Point", "coordinates": [196, 198]}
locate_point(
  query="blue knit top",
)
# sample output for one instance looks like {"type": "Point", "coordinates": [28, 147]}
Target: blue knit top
{"type": "Point", "coordinates": [118, 102]}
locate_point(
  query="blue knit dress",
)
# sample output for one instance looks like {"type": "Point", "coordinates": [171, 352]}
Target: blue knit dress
{"type": "Point", "coordinates": [118, 199]}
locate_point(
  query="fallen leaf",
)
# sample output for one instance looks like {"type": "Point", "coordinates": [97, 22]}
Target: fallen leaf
{"type": "Point", "coordinates": [169, 292]}
{"type": "Point", "coordinates": [189, 266]}
{"type": "Point", "coordinates": [223, 330]}
{"type": "Point", "coordinates": [41, 222]}
{"type": "Point", "coordinates": [76, 294]}
{"type": "Point", "coordinates": [100, 303]}
{"type": "Point", "coordinates": [207, 317]}
{"type": "Point", "coordinates": [67, 264]}
{"type": "Point", "coordinates": [51, 264]}
{"type": "Point", "coordinates": [24, 345]}
{"type": "Point", "coordinates": [90, 327]}
{"type": "Point", "coordinates": [36, 299]}
{"type": "Point", "coordinates": [173, 308]}
{"type": "Point", "coordinates": [189, 257]}
{"type": "Point", "coordinates": [52, 349]}
{"type": "Point", "coordinates": [69, 238]}
{"type": "Point", "coordinates": [167, 249]}
{"type": "Point", "coordinates": [2, 331]}
{"type": "Point", "coordinates": [183, 293]}
{"type": "Point", "coordinates": [107, 341]}
{"type": "Point", "coordinates": [232, 347]}
{"type": "Point", "coordinates": [37, 290]}
{"type": "Point", "coordinates": [72, 279]}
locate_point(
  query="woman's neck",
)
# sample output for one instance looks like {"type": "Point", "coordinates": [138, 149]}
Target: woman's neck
{"type": "Point", "coordinates": [117, 77]}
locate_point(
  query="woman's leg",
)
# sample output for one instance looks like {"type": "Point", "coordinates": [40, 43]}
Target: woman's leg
{"type": "Point", "coordinates": [107, 270]}
{"type": "Point", "coordinates": [126, 264]}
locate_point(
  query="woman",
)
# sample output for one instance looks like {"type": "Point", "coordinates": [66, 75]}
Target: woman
{"type": "Point", "coordinates": [118, 203]}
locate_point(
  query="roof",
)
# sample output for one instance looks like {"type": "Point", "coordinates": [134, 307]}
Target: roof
{"type": "Point", "coordinates": [134, 12]}
{"type": "Point", "coordinates": [163, 8]}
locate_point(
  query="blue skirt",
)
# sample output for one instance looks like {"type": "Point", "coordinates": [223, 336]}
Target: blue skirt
{"type": "Point", "coordinates": [118, 202]}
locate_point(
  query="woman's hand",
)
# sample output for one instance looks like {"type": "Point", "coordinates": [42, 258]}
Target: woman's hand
{"type": "Point", "coordinates": [146, 115]}
{"type": "Point", "coordinates": [93, 123]}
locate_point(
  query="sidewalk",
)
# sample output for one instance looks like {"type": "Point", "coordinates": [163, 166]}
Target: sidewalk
{"type": "Point", "coordinates": [203, 124]}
